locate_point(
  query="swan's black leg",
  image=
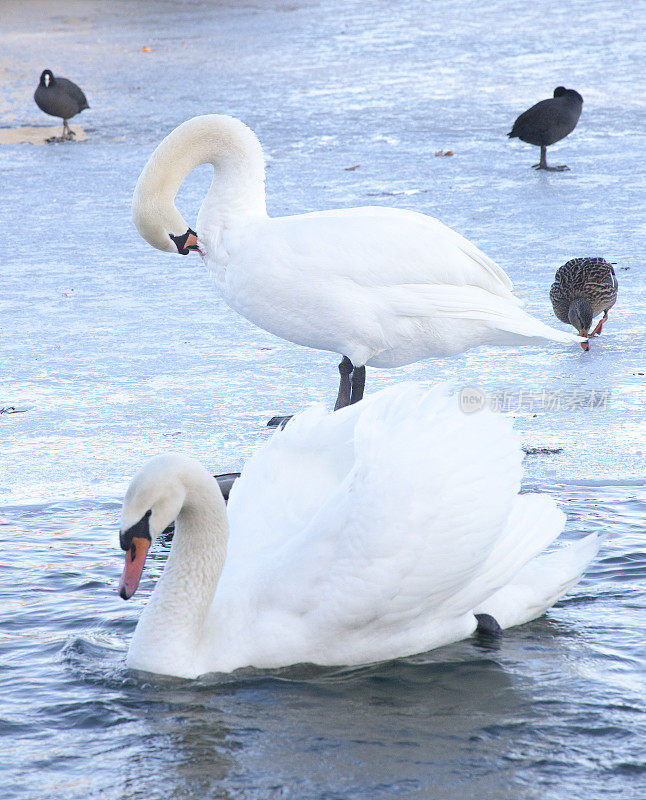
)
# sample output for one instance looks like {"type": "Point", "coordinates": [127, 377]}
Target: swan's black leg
{"type": "Point", "coordinates": [345, 385]}
{"type": "Point", "coordinates": [351, 386]}
{"type": "Point", "coordinates": [358, 384]}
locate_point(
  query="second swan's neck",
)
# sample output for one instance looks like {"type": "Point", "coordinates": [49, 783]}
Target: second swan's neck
{"type": "Point", "coordinates": [172, 623]}
{"type": "Point", "coordinates": [238, 186]}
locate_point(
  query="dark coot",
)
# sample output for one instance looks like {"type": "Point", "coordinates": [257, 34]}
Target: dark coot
{"type": "Point", "coordinates": [549, 121]}
{"type": "Point", "coordinates": [60, 98]}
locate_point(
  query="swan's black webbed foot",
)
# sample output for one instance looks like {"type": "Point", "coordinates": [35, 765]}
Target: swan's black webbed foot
{"type": "Point", "coordinates": [351, 386]}
{"type": "Point", "coordinates": [488, 625]}
{"type": "Point", "coordinates": [279, 422]}
{"type": "Point", "coordinates": [225, 482]}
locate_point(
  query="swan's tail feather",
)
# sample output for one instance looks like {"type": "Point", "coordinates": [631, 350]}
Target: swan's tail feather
{"type": "Point", "coordinates": [540, 583]}
{"type": "Point", "coordinates": [533, 524]}
{"type": "Point", "coordinates": [509, 323]}
{"type": "Point", "coordinates": [487, 263]}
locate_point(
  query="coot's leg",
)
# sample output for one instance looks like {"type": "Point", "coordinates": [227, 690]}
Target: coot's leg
{"type": "Point", "coordinates": [68, 133]}
{"type": "Point", "coordinates": [358, 384]}
{"type": "Point", "coordinates": [345, 386]}
{"type": "Point", "coordinates": [542, 164]}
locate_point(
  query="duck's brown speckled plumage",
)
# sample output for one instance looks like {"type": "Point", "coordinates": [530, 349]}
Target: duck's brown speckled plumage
{"type": "Point", "coordinates": [593, 279]}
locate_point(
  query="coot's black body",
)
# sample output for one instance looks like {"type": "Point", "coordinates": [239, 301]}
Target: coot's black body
{"type": "Point", "coordinates": [549, 121]}
{"type": "Point", "coordinates": [60, 98]}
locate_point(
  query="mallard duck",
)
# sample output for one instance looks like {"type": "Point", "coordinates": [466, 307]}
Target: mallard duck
{"type": "Point", "coordinates": [59, 98]}
{"type": "Point", "coordinates": [583, 288]}
{"type": "Point", "coordinates": [549, 121]}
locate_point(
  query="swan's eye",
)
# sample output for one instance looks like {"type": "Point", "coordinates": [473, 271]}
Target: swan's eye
{"type": "Point", "coordinates": [140, 530]}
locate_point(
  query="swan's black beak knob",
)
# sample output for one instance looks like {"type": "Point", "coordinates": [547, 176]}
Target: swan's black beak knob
{"type": "Point", "coordinates": [186, 242]}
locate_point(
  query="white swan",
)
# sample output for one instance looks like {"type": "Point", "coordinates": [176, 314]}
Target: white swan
{"type": "Point", "coordinates": [367, 534]}
{"type": "Point", "coordinates": [380, 286]}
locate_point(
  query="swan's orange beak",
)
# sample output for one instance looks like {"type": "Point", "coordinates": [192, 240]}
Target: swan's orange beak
{"type": "Point", "coordinates": [186, 242]}
{"type": "Point", "coordinates": [134, 566]}
{"type": "Point", "coordinates": [191, 243]}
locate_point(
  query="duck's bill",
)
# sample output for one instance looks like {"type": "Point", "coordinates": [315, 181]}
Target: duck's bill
{"type": "Point", "coordinates": [585, 346]}
{"type": "Point", "coordinates": [134, 566]}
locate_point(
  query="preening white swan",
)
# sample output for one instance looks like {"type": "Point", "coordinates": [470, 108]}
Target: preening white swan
{"type": "Point", "coordinates": [380, 286]}
{"type": "Point", "coordinates": [371, 533]}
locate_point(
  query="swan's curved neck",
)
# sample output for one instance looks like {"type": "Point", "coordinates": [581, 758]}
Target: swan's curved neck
{"type": "Point", "coordinates": [238, 185]}
{"type": "Point", "coordinates": [237, 189]}
{"type": "Point", "coordinates": [172, 623]}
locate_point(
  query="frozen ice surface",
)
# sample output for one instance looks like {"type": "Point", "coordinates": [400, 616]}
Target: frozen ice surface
{"type": "Point", "coordinates": [118, 351]}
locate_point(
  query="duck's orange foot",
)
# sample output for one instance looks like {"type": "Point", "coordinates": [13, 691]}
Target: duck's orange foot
{"type": "Point", "coordinates": [598, 329]}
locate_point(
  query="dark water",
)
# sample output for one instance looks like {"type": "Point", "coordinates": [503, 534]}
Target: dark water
{"type": "Point", "coordinates": [556, 706]}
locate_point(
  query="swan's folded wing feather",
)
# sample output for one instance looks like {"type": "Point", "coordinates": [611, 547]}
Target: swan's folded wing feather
{"type": "Point", "coordinates": [540, 583]}
{"type": "Point", "coordinates": [286, 482]}
{"type": "Point", "coordinates": [439, 232]}
{"type": "Point", "coordinates": [371, 246]}
{"type": "Point", "coordinates": [457, 303]}
{"type": "Point", "coordinates": [409, 528]}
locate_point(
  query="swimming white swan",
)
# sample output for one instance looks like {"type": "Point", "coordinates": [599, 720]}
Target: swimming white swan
{"type": "Point", "coordinates": [371, 533]}
{"type": "Point", "coordinates": [380, 286]}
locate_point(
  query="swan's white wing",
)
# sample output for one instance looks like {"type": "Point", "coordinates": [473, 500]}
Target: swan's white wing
{"type": "Point", "coordinates": [369, 246]}
{"type": "Point", "coordinates": [381, 286]}
{"type": "Point", "coordinates": [388, 224]}
{"type": "Point", "coordinates": [376, 531]}
{"type": "Point", "coordinates": [285, 483]}
{"type": "Point", "coordinates": [402, 551]}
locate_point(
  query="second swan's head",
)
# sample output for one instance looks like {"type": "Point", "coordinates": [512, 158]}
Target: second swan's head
{"type": "Point", "coordinates": [216, 139]}
{"type": "Point", "coordinates": [165, 487]}
{"type": "Point", "coordinates": [153, 501]}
